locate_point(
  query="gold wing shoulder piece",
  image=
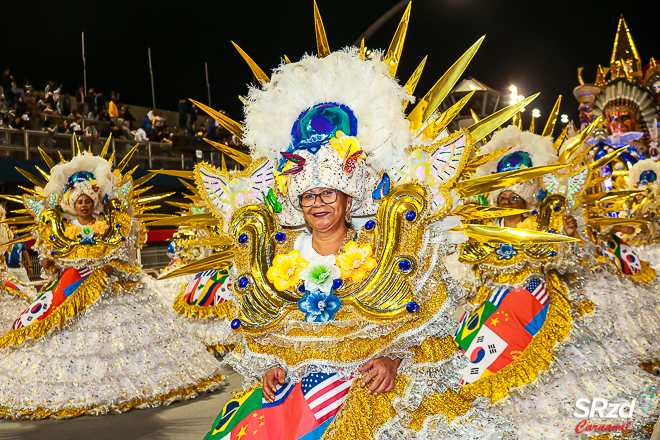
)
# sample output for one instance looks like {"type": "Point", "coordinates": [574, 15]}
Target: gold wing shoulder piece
{"type": "Point", "coordinates": [571, 185]}
{"type": "Point", "coordinates": [383, 295]}
{"type": "Point", "coordinates": [224, 192]}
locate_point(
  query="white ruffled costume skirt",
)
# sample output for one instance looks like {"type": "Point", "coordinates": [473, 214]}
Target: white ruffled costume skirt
{"type": "Point", "coordinates": [600, 360]}
{"type": "Point", "coordinates": [11, 306]}
{"type": "Point", "coordinates": [124, 351]}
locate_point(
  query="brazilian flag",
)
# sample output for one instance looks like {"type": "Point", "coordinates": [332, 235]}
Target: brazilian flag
{"type": "Point", "coordinates": [233, 412]}
{"type": "Point", "coordinates": [471, 327]}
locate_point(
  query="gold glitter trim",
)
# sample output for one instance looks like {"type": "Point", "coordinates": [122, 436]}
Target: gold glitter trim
{"type": "Point", "coordinates": [164, 399]}
{"type": "Point", "coordinates": [538, 355]}
{"type": "Point", "coordinates": [183, 308]}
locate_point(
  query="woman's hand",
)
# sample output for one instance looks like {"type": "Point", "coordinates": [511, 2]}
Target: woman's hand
{"type": "Point", "coordinates": [570, 225]}
{"type": "Point", "coordinates": [271, 379]}
{"type": "Point", "coordinates": [46, 263]}
{"type": "Point", "coordinates": [109, 270]}
{"type": "Point", "coordinates": [383, 372]}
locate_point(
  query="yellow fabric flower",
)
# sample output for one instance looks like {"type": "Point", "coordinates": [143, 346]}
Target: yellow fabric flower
{"type": "Point", "coordinates": [285, 271]}
{"type": "Point", "coordinates": [99, 227]}
{"type": "Point", "coordinates": [346, 145]}
{"type": "Point", "coordinates": [356, 262]}
{"type": "Point", "coordinates": [71, 231]}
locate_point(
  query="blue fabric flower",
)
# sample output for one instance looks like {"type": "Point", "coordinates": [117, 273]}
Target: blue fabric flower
{"type": "Point", "coordinates": [541, 196]}
{"type": "Point", "coordinates": [319, 306]}
{"type": "Point", "coordinates": [505, 252]}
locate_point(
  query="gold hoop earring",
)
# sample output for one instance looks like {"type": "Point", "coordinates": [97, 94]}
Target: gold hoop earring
{"type": "Point", "coordinates": [348, 217]}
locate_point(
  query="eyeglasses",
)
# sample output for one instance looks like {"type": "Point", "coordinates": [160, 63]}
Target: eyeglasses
{"type": "Point", "coordinates": [327, 196]}
{"type": "Point", "coordinates": [510, 200]}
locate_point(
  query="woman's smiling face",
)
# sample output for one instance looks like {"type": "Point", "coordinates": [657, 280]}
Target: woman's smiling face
{"type": "Point", "coordinates": [84, 207]}
{"type": "Point", "coordinates": [324, 208]}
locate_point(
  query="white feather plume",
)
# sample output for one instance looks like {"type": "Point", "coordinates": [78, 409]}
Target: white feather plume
{"type": "Point", "coordinates": [101, 168]}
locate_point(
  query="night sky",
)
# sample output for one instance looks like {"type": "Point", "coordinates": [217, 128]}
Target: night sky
{"type": "Point", "coordinates": [536, 45]}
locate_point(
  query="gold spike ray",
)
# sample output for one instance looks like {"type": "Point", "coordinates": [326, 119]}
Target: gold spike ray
{"type": "Point", "coordinates": [242, 158]}
{"type": "Point", "coordinates": [185, 206]}
{"type": "Point", "coordinates": [475, 162]}
{"type": "Point", "coordinates": [575, 143]}
{"type": "Point", "coordinates": [183, 174]}
{"type": "Point", "coordinates": [411, 84]}
{"type": "Point", "coordinates": [223, 163]}
{"type": "Point", "coordinates": [531, 125]}
{"type": "Point", "coordinates": [22, 238]}
{"type": "Point", "coordinates": [120, 167]}
{"type": "Point", "coordinates": [11, 198]}
{"type": "Point", "coordinates": [231, 125]}
{"type": "Point", "coordinates": [76, 147]}
{"type": "Point", "coordinates": [43, 173]}
{"type": "Point", "coordinates": [155, 197]}
{"type": "Point", "coordinates": [20, 211]}
{"type": "Point", "coordinates": [221, 260]}
{"type": "Point", "coordinates": [393, 55]}
{"type": "Point", "coordinates": [480, 129]}
{"type": "Point", "coordinates": [130, 173]}
{"type": "Point", "coordinates": [32, 191]}
{"type": "Point", "coordinates": [142, 180]}
{"type": "Point", "coordinates": [256, 70]}
{"type": "Point", "coordinates": [137, 192]}
{"type": "Point", "coordinates": [220, 240]}
{"type": "Point", "coordinates": [552, 119]}
{"type": "Point", "coordinates": [473, 212]}
{"type": "Point", "coordinates": [26, 219]}
{"type": "Point", "coordinates": [32, 178]}
{"type": "Point", "coordinates": [609, 196]}
{"type": "Point", "coordinates": [434, 128]}
{"type": "Point", "coordinates": [286, 59]}
{"type": "Point", "coordinates": [498, 234]}
{"type": "Point", "coordinates": [427, 105]}
{"type": "Point", "coordinates": [363, 55]}
{"type": "Point", "coordinates": [604, 222]}
{"type": "Point", "coordinates": [46, 158]}
{"type": "Point", "coordinates": [485, 184]}
{"type": "Point", "coordinates": [111, 159]}
{"type": "Point", "coordinates": [104, 151]}
{"type": "Point", "coordinates": [186, 220]}
{"type": "Point", "coordinates": [62, 157]}
{"type": "Point", "coordinates": [607, 158]}
{"type": "Point", "coordinates": [560, 139]}
{"type": "Point", "coordinates": [190, 187]}
{"type": "Point", "coordinates": [322, 46]}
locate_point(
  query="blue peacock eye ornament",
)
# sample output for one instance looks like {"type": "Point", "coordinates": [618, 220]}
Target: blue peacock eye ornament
{"type": "Point", "coordinates": [514, 161]}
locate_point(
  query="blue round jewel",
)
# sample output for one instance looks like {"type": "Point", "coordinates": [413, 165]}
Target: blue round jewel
{"type": "Point", "coordinates": [118, 226]}
{"type": "Point", "coordinates": [370, 225]}
{"type": "Point", "coordinates": [404, 265]}
{"type": "Point", "coordinates": [118, 209]}
{"type": "Point", "coordinates": [411, 215]}
{"type": "Point", "coordinates": [301, 288]}
{"type": "Point", "coordinates": [243, 238]}
{"type": "Point", "coordinates": [235, 324]}
{"type": "Point", "coordinates": [553, 253]}
{"type": "Point", "coordinates": [52, 252]}
{"type": "Point", "coordinates": [534, 212]}
{"type": "Point", "coordinates": [412, 307]}
{"type": "Point", "coordinates": [337, 283]}
{"type": "Point", "coordinates": [280, 237]}
{"type": "Point", "coordinates": [123, 239]}
{"type": "Point", "coordinates": [47, 222]}
{"type": "Point", "coordinates": [552, 231]}
{"type": "Point", "coordinates": [52, 237]}
{"type": "Point", "coordinates": [557, 208]}
{"type": "Point", "coordinates": [243, 282]}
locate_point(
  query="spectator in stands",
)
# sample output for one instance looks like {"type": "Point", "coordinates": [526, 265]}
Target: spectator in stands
{"type": "Point", "coordinates": [18, 124]}
{"type": "Point", "coordinates": [4, 108]}
{"type": "Point", "coordinates": [66, 104]}
{"type": "Point", "coordinates": [113, 111]}
{"type": "Point", "coordinates": [193, 113]}
{"type": "Point", "coordinates": [146, 123]}
{"type": "Point", "coordinates": [7, 81]}
{"type": "Point", "coordinates": [152, 113]}
{"type": "Point", "coordinates": [128, 117]}
{"type": "Point", "coordinates": [64, 128]}
{"type": "Point", "coordinates": [80, 100]}
{"type": "Point", "coordinates": [99, 102]}
{"type": "Point", "coordinates": [211, 132]}
{"type": "Point", "coordinates": [76, 127]}
{"type": "Point", "coordinates": [141, 134]}
{"type": "Point", "coordinates": [124, 129]}
{"type": "Point", "coordinates": [47, 127]}
{"type": "Point", "coordinates": [5, 123]}
{"type": "Point", "coordinates": [183, 113]}
{"type": "Point", "coordinates": [90, 98]}
{"type": "Point", "coordinates": [91, 130]}
{"type": "Point", "coordinates": [28, 90]}
{"type": "Point", "coordinates": [17, 259]}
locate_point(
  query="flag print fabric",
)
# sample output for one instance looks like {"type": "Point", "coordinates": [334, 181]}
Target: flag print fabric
{"type": "Point", "coordinates": [55, 293]}
{"type": "Point", "coordinates": [622, 255]}
{"type": "Point", "coordinates": [502, 328]}
{"type": "Point", "coordinates": [208, 288]}
{"type": "Point", "coordinates": [300, 411]}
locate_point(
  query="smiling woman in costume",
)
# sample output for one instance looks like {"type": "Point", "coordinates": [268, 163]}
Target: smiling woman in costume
{"type": "Point", "coordinates": [97, 340]}
{"type": "Point", "coordinates": [339, 226]}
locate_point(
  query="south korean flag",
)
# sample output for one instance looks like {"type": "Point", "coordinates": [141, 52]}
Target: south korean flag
{"type": "Point", "coordinates": [36, 310]}
{"type": "Point", "coordinates": [484, 349]}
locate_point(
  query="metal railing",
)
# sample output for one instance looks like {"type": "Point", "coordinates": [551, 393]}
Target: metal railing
{"type": "Point", "coordinates": [24, 144]}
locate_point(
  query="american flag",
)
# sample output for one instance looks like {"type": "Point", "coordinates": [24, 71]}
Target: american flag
{"type": "Point", "coordinates": [537, 288]}
{"type": "Point", "coordinates": [325, 394]}
{"type": "Point", "coordinates": [84, 272]}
